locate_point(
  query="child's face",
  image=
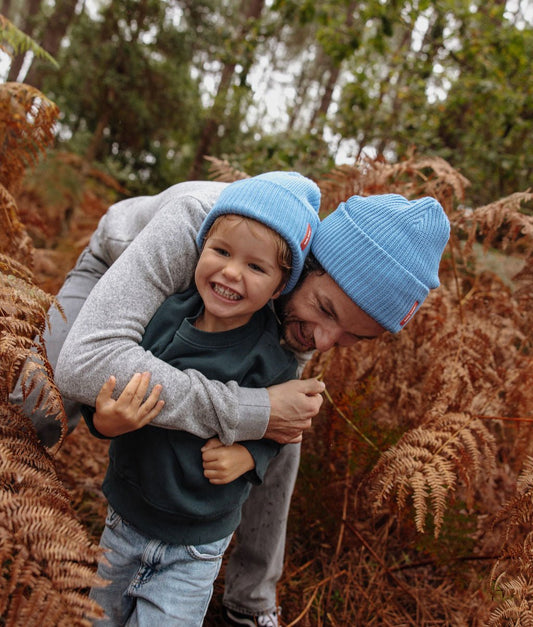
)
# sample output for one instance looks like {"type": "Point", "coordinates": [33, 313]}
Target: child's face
{"type": "Point", "coordinates": [237, 273]}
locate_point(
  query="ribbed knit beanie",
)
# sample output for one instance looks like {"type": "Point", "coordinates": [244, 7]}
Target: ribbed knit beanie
{"type": "Point", "coordinates": [287, 202]}
{"type": "Point", "coordinates": [384, 253]}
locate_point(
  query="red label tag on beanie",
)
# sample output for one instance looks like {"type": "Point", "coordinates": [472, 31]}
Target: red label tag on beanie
{"type": "Point", "coordinates": [409, 314]}
{"type": "Point", "coordinates": [307, 237]}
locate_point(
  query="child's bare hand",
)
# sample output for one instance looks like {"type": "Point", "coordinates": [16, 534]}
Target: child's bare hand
{"type": "Point", "coordinates": [223, 464]}
{"type": "Point", "coordinates": [129, 412]}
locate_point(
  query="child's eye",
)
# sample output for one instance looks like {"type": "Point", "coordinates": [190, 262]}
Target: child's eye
{"type": "Point", "coordinates": [221, 251]}
{"type": "Point", "coordinates": [257, 268]}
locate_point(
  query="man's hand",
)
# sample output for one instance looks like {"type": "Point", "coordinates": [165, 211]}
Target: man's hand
{"type": "Point", "coordinates": [292, 406]}
{"type": "Point", "coordinates": [223, 464]}
{"type": "Point", "coordinates": [129, 412]}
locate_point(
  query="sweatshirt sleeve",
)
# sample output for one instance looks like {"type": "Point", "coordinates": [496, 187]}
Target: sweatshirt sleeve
{"type": "Point", "coordinates": [105, 337]}
{"type": "Point", "coordinates": [262, 451]}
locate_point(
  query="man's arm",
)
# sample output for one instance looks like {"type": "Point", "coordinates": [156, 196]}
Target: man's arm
{"type": "Point", "coordinates": [105, 338]}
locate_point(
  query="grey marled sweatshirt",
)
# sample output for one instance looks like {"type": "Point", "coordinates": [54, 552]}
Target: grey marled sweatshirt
{"type": "Point", "coordinates": [105, 337]}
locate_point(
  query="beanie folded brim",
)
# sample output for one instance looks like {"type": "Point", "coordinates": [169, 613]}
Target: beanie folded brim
{"type": "Point", "coordinates": [369, 275]}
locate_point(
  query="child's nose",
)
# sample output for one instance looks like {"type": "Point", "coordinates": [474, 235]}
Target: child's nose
{"type": "Point", "coordinates": [232, 270]}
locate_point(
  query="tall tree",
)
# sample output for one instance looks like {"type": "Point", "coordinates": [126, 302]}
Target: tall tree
{"type": "Point", "coordinates": [130, 99]}
{"type": "Point", "coordinates": [56, 27]}
{"type": "Point", "coordinates": [450, 80]}
{"type": "Point", "coordinates": [27, 20]}
{"type": "Point", "coordinates": [241, 50]}
{"type": "Point", "coordinates": [485, 123]}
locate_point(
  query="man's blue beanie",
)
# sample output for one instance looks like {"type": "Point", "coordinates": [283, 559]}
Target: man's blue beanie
{"type": "Point", "coordinates": [287, 202]}
{"type": "Point", "coordinates": [384, 253]}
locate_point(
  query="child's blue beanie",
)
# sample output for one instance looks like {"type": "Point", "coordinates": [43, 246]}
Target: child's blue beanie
{"type": "Point", "coordinates": [287, 202]}
{"type": "Point", "coordinates": [384, 253]}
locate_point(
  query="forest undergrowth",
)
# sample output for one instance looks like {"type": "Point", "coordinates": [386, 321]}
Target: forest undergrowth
{"type": "Point", "coordinates": [414, 499]}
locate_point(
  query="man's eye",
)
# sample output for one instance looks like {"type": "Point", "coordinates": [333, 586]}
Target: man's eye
{"type": "Point", "coordinates": [325, 311]}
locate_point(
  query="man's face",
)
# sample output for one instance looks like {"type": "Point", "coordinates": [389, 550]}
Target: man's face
{"type": "Point", "coordinates": [319, 315]}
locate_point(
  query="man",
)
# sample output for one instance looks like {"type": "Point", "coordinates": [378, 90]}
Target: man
{"type": "Point", "coordinates": [378, 260]}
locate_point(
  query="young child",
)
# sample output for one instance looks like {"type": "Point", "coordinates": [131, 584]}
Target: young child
{"type": "Point", "coordinates": [175, 499]}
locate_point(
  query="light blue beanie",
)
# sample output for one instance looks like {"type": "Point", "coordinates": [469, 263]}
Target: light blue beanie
{"type": "Point", "coordinates": [384, 253]}
{"type": "Point", "coordinates": [287, 202]}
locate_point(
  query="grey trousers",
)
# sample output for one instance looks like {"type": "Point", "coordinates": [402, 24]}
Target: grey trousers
{"type": "Point", "coordinates": [256, 563]}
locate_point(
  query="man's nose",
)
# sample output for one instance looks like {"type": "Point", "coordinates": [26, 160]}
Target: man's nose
{"type": "Point", "coordinates": [325, 337]}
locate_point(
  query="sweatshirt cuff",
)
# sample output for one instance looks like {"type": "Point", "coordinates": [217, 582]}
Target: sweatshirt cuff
{"type": "Point", "coordinates": [254, 414]}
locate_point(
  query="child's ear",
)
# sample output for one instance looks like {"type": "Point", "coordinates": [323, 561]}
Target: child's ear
{"type": "Point", "coordinates": [279, 290]}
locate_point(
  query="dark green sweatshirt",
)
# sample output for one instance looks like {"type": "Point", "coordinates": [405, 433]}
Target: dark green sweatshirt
{"type": "Point", "coordinates": [155, 476]}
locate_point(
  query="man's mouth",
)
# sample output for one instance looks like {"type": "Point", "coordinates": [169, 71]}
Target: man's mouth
{"type": "Point", "coordinates": [225, 292]}
{"type": "Point", "coordinates": [296, 330]}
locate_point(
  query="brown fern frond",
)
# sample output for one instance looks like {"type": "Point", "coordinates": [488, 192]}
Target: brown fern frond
{"type": "Point", "coordinates": [412, 177]}
{"type": "Point", "coordinates": [523, 294]}
{"type": "Point", "coordinates": [14, 241]}
{"type": "Point", "coordinates": [27, 126]}
{"type": "Point", "coordinates": [23, 316]}
{"type": "Point", "coordinates": [516, 610]}
{"type": "Point", "coordinates": [501, 224]}
{"type": "Point", "coordinates": [517, 512]}
{"type": "Point", "coordinates": [221, 170]}
{"type": "Point", "coordinates": [24, 309]}
{"type": "Point", "coordinates": [48, 561]}
{"type": "Point", "coordinates": [426, 462]}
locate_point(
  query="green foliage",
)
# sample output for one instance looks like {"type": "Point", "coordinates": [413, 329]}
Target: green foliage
{"type": "Point", "coordinates": [304, 152]}
{"type": "Point", "coordinates": [15, 41]}
{"type": "Point", "coordinates": [131, 96]}
{"type": "Point", "coordinates": [140, 83]}
{"type": "Point", "coordinates": [460, 89]}
{"type": "Point", "coordinates": [485, 122]}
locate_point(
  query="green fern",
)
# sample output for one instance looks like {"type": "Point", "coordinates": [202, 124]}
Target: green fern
{"type": "Point", "coordinates": [11, 38]}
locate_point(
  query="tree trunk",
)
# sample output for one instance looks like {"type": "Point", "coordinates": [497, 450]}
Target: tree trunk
{"type": "Point", "coordinates": [95, 146]}
{"type": "Point", "coordinates": [56, 29]}
{"type": "Point", "coordinates": [253, 11]}
{"type": "Point", "coordinates": [319, 114]}
{"type": "Point", "coordinates": [333, 71]}
{"type": "Point", "coordinates": [5, 9]}
{"type": "Point", "coordinates": [27, 26]}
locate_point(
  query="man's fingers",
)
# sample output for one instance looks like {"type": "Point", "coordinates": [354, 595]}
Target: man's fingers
{"type": "Point", "coordinates": [295, 440]}
{"type": "Point", "coordinates": [131, 388]}
{"type": "Point", "coordinates": [313, 386]}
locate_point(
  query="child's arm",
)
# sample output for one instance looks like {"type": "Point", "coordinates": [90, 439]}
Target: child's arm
{"type": "Point", "coordinates": [223, 464]}
{"type": "Point", "coordinates": [129, 412]}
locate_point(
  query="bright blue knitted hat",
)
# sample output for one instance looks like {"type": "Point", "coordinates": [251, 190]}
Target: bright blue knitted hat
{"type": "Point", "coordinates": [287, 202]}
{"type": "Point", "coordinates": [384, 252]}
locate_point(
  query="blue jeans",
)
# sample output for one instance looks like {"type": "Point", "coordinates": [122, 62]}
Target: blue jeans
{"type": "Point", "coordinates": [152, 582]}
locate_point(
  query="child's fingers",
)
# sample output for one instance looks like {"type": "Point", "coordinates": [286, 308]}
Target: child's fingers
{"type": "Point", "coordinates": [142, 388]}
{"type": "Point", "coordinates": [212, 444]}
{"type": "Point", "coordinates": [153, 412]}
{"type": "Point", "coordinates": [106, 391]}
{"type": "Point", "coordinates": [131, 388]}
{"type": "Point", "coordinates": [152, 399]}
{"type": "Point", "coordinates": [135, 390]}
